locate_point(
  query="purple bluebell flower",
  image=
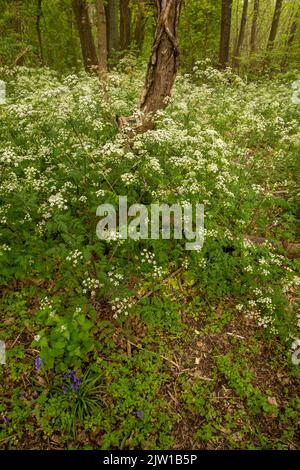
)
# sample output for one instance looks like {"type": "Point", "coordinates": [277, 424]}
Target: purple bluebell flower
{"type": "Point", "coordinates": [140, 414]}
{"type": "Point", "coordinates": [75, 385]}
{"type": "Point", "coordinates": [5, 419]}
{"type": "Point", "coordinates": [75, 381]}
{"type": "Point", "coordinates": [38, 363]}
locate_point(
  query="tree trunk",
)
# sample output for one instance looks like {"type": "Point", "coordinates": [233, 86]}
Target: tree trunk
{"type": "Point", "coordinates": [140, 26]}
{"type": "Point", "coordinates": [113, 37]}
{"type": "Point", "coordinates": [88, 49]}
{"type": "Point", "coordinates": [101, 39]}
{"type": "Point", "coordinates": [162, 67]}
{"type": "Point", "coordinates": [241, 37]}
{"type": "Point", "coordinates": [164, 58]}
{"type": "Point", "coordinates": [17, 24]}
{"type": "Point", "coordinates": [275, 23]}
{"type": "Point", "coordinates": [125, 20]}
{"type": "Point", "coordinates": [225, 33]}
{"type": "Point", "coordinates": [290, 39]}
{"type": "Point", "coordinates": [38, 30]}
{"type": "Point", "coordinates": [236, 25]}
{"type": "Point", "coordinates": [254, 27]}
{"type": "Point", "coordinates": [293, 29]}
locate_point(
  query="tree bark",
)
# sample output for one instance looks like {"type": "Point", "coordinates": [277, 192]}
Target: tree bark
{"type": "Point", "coordinates": [241, 37]}
{"type": "Point", "coordinates": [101, 39]}
{"type": "Point", "coordinates": [125, 20]}
{"type": "Point", "coordinates": [38, 29]}
{"type": "Point", "coordinates": [254, 26]}
{"type": "Point", "coordinates": [17, 24]}
{"type": "Point", "coordinates": [275, 23]}
{"type": "Point", "coordinates": [162, 67]}
{"type": "Point", "coordinates": [140, 26]}
{"type": "Point", "coordinates": [293, 29]}
{"type": "Point", "coordinates": [290, 39]}
{"type": "Point", "coordinates": [164, 58]}
{"type": "Point", "coordinates": [113, 37]}
{"type": "Point", "coordinates": [225, 33]}
{"type": "Point", "coordinates": [88, 48]}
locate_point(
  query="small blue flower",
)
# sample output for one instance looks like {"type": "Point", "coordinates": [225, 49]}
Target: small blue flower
{"type": "Point", "coordinates": [38, 363]}
{"type": "Point", "coordinates": [75, 385]}
{"type": "Point", "coordinates": [140, 414]}
{"type": "Point", "coordinates": [5, 419]}
{"type": "Point", "coordinates": [75, 381]}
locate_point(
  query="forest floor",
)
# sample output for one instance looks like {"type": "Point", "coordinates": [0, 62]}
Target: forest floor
{"type": "Point", "coordinates": [141, 344]}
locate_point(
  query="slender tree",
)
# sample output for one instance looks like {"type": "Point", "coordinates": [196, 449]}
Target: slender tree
{"type": "Point", "coordinates": [125, 19]}
{"type": "Point", "coordinates": [164, 58]}
{"type": "Point", "coordinates": [38, 29]}
{"type": "Point", "coordinates": [225, 33]}
{"type": "Point", "coordinates": [140, 25]}
{"type": "Point", "coordinates": [162, 65]}
{"type": "Point", "coordinates": [241, 36]}
{"type": "Point", "coordinates": [254, 26]}
{"type": "Point", "coordinates": [113, 36]}
{"type": "Point", "coordinates": [293, 30]}
{"type": "Point", "coordinates": [275, 23]}
{"type": "Point", "coordinates": [101, 38]}
{"type": "Point", "coordinates": [290, 38]}
{"type": "Point", "coordinates": [88, 48]}
{"type": "Point", "coordinates": [235, 23]}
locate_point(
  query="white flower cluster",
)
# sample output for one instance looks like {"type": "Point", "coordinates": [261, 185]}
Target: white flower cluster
{"type": "Point", "coordinates": [4, 248]}
{"type": "Point", "coordinates": [248, 269]}
{"type": "Point", "coordinates": [114, 277]}
{"type": "Point", "coordinates": [75, 257]}
{"type": "Point", "coordinates": [46, 304]}
{"type": "Point", "coordinates": [91, 285]}
{"type": "Point", "coordinates": [260, 310]}
{"type": "Point", "coordinates": [291, 284]}
{"type": "Point", "coordinates": [147, 257]}
{"type": "Point", "coordinates": [100, 193]}
{"type": "Point", "coordinates": [8, 156]}
{"type": "Point", "coordinates": [57, 200]}
{"type": "Point", "coordinates": [121, 306]}
{"type": "Point", "coordinates": [112, 236]}
{"type": "Point", "coordinates": [153, 166]}
{"type": "Point", "coordinates": [128, 178]}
